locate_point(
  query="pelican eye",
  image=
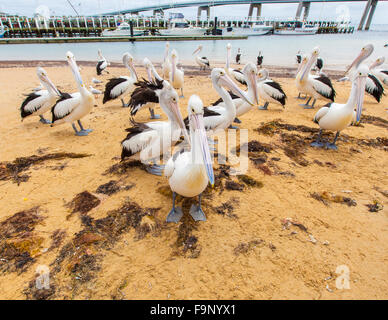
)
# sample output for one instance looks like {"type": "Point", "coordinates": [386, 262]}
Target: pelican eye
{"type": "Point", "coordinates": [192, 110]}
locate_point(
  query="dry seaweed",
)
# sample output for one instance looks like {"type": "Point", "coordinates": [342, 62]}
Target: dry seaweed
{"type": "Point", "coordinates": [12, 170]}
{"type": "Point", "coordinates": [326, 198]}
{"type": "Point", "coordinates": [233, 185]}
{"type": "Point", "coordinates": [57, 238]}
{"type": "Point", "coordinates": [287, 222]}
{"type": "Point", "coordinates": [186, 242]}
{"type": "Point", "coordinates": [113, 187]}
{"type": "Point", "coordinates": [83, 202]}
{"type": "Point", "coordinates": [227, 208]}
{"type": "Point", "coordinates": [124, 167]}
{"type": "Point", "coordinates": [249, 181]}
{"type": "Point", "coordinates": [245, 247]}
{"type": "Point", "coordinates": [294, 147]}
{"type": "Point", "coordinates": [375, 206]}
{"type": "Point", "coordinates": [32, 292]}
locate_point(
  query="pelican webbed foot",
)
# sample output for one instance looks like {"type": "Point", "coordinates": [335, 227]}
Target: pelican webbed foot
{"type": "Point", "coordinates": [233, 127]}
{"type": "Point", "coordinates": [125, 105]}
{"type": "Point", "coordinates": [44, 120]}
{"type": "Point", "coordinates": [306, 104]}
{"type": "Point", "coordinates": [155, 169]}
{"type": "Point", "coordinates": [82, 128]}
{"type": "Point", "coordinates": [176, 213]}
{"type": "Point", "coordinates": [153, 115]}
{"type": "Point", "coordinates": [332, 145]}
{"type": "Point", "coordinates": [196, 211]}
{"type": "Point", "coordinates": [300, 97]}
{"type": "Point", "coordinates": [237, 120]}
{"type": "Point", "coordinates": [265, 107]}
{"type": "Point", "coordinates": [317, 144]}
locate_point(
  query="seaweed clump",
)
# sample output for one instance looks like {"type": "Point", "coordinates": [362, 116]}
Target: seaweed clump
{"type": "Point", "coordinates": [83, 202]}
{"type": "Point", "coordinates": [326, 198]}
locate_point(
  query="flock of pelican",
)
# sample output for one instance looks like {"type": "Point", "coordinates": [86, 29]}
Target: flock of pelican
{"type": "Point", "coordinates": [189, 170]}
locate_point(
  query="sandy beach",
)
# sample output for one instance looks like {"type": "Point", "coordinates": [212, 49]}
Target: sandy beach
{"type": "Point", "coordinates": [279, 232]}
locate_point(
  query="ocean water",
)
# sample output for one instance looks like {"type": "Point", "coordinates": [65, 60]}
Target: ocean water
{"type": "Point", "coordinates": [337, 50]}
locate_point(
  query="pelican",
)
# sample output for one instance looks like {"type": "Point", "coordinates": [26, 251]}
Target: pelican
{"type": "Point", "coordinates": [319, 65]}
{"type": "Point", "coordinates": [176, 75]}
{"type": "Point", "coordinates": [158, 136]}
{"type": "Point", "coordinates": [242, 106]}
{"type": "Point", "coordinates": [123, 85]}
{"type": "Point", "coordinates": [381, 74]}
{"type": "Point", "coordinates": [102, 64]}
{"type": "Point", "coordinates": [236, 74]}
{"type": "Point", "coordinates": [146, 92]}
{"type": "Point", "coordinates": [203, 62]}
{"type": "Point", "coordinates": [96, 81]}
{"type": "Point", "coordinates": [298, 57]}
{"type": "Point", "coordinates": [166, 65]}
{"type": "Point", "coordinates": [260, 60]}
{"type": "Point", "coordinates": [220, 117]}
{"type": "Point", "coordinates": [317, 87]}
{"type": "Point", "coordinates": [301, 61]}
{"type": "Point", "coordinates": [269, 91]}
{"type": "Point", "coordinates": [39, 102]}
{"type": "Point", "coordinates": [94, 90]}
{"type": "Point", "coordinates": [373, 86]}
{"type": "Point", "coordinates": [336, 116]}
{"type": "Point", "coordinates": [73, 107]}
{"type": "Point", "coordinates": [190, 172]}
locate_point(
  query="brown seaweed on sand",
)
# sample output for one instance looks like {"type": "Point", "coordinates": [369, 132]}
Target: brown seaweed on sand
{"type": "Point", "coordinates": [326, 198]}
{"type": "Point", "coordinates": [83, 202]}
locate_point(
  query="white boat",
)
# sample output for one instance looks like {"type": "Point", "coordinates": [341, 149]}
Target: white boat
{"type": "Point", "coordinates": [257, 29]}
{"type": "Point", "coordinates": [180, 27]}
{"type": "Point", "coordinates": [124, 29]}
{"type": "Point", "coordinates": [297, 28]}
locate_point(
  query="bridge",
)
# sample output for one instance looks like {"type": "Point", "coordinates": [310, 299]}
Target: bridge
{"type": "Point", "coordinates": [303, 6]}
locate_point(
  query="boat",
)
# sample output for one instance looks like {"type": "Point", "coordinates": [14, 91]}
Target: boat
{"type": "Point", "coordinates": [296, 28]}
{"type": "Point", "coordinates": [257, 29]}
{"type": "Point", "coordinates": [124, 29]}
{"type": "Point", "coordinates": [3, 30]}
{"type": "Point", "coordinates": [181, 27]}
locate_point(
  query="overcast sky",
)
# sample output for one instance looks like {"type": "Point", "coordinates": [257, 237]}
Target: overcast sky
{"type": "Point", "coordinates": [85, 7]}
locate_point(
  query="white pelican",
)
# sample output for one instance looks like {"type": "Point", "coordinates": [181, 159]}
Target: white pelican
{"type": "Point", "coordinates": [242, 106]}
{"type": "Point", "coordinates": [203, 62]}
{"type": "Point", "coordinates": [190, 172]}
{"type": "Point", "coordinates": [221, 116]}
{"type": "Point", "coordinates": [260, 59]}
{"type": "Point", "coordinates": [166, 65]}
{"type": "Point", "coordinates": [73, 107]}
{"type": "Point", "coordinates": [301, 61]}
{"type": "Point", "coordinates": [39, 102]}
{"type": "Point", "coordinates": [123, 85]}
{"type": "Point", "coordinates": [381, 74]}
{"type": "Point", "coordinates": [317, 87]}
{"type": "Point", "coordinates": [236, 74]}
{"type": "Point", "coordinates": [336, 116]}
{"type": "Point", "coordinates": [156, 137]}
{"type": "Point", "coordinates": [373, 86]}
{"type": "Point", "coordinates": [176, 75]}
{"type": "Point", "coordinates": [269, 91]}
{"type": "Point", "coordinates": [102, 64]}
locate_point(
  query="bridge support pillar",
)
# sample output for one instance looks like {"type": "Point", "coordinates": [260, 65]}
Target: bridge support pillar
{"type": "Point", "coordinates": [369, 9]}
{"type": "Point", "coordinates": [158, 11]}
{"type": "Point", "coordinates": [303, 5]}
{"type": "Point", "coordinates": [252, 7]}
{"type": "Point", "coordinates": [203, 8]}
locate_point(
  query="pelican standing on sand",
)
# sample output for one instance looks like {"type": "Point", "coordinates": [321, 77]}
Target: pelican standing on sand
{"type": "Point", "coordinates": [176, 75]}
{"type": "Point", "coordinates": [123, 85]}
{"type": "Point", "coordinates": [203, 62]}
{"type": "Point", "coordinates": [221, 116]}
{"type": "Point", "coordinates": [156, 137]}
{"type": "Point", "coordinates": [317, 87]}
{"type": "Point", "coordinates": [39, 102]}
{"type": "Point", "coordinates": [166, 65]}
{"type": "Point", "coordinates": [74, 107]}
{"type": "Point", "coordinates": [269, 91]}
{"type": "Point", "coordinates": [242, 106]}
{"type": "Point", "coordinates": [146, 92]}
{"type": "Point", "coordinates": [336, 116]}
{"type": "Point", "coordinates": [236, 74]}
{"type": "Point", "coordinates": [373, 86]}
{"type": "Point", "coordinates": [381, 74]}
{"type": "Point", "coordinates": [102, 64]}
{"type": "Point", "coordinates": [190, 172]}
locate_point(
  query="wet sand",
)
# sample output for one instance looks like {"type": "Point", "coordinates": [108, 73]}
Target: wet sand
{"type": "Point", "coordinates": [278, 233]}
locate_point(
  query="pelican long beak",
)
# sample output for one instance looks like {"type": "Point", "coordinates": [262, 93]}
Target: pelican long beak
{"type": "Point", "coordinates": [226, 81]}
{"type": "Point", "coordinates": [133, 69]}
{"type": "Point", "coordinates": [149, 74]}
{"type": "Point", "coordinates": [174, 106]}
{"type": "Point", "coordinates": [199, 130]}
{"type": "Point", "coordinates": [173, 58]}
{"type": "Point", "coordinates": [253, 81]}
{"type": "Point", "coordinates": [196, 50]}
{"type": "Point", "coordinates": [361, 81]}
{"type": "Point", "coordinates": [75, 69]}
{"type": "Point", "coordinates": [300, 66]}
{"type": "Point", "coordinates": [307, 67]}
{"type": "Point", "coordinates": [375, 64]}
{"type": "Point", "coordinates": [52, 86]}
{"type": "Point", "coordinates": [356, 61]}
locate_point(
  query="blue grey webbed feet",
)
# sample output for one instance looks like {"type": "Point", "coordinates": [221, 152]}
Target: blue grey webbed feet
{"type": "Point", "coordinates": [125, 105]}
{"type": "Point", "coordinates": [265, 107]}
{"type": "Point", "coordinates": [155, 169]}
{"type": "Point", "coordinates": [44, 121]}
{"type": "Point", "coordinates": [312, 106]}
{"type": "Point", "coordinates": [82, 128]}
{"type": "Point", "coordinates": [196, 211]}
{"type": "Point", "coordinates": [153, 115]}
{"type": "Point", "coordinates": [237, 120]}
{"type": "Point", "coordinates": [331, 146]}
{"type": "Point", "coordinates": [176, 213]}
{"type": "Point", "coordinates": [317, 144]}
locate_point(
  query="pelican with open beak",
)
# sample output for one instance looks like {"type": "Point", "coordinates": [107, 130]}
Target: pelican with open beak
{"type": "Point", "coordinates": [336, 117]}
{"type": "Point", "coordinates": [190, 172]}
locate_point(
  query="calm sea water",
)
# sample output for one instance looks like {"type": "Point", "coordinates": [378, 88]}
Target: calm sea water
{"type": "Point", "coordinates": [336, 49]}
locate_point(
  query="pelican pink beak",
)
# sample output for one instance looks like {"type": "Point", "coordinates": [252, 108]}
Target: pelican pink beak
{"type": "Point", "coordinates": [361, 81]}
{"type": "Point", "coordinates": [74, 68]}
{"type": "Point", "coordinates": [197, 50]}
{"type": "Point", "coordinates": [364, 54]}
{"type": "Point", "coordinates": [198, 129]}
{"type": "Point", "coordinates": [174, 107]}
{"type": "Point", "coordinates": [226, 81]}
